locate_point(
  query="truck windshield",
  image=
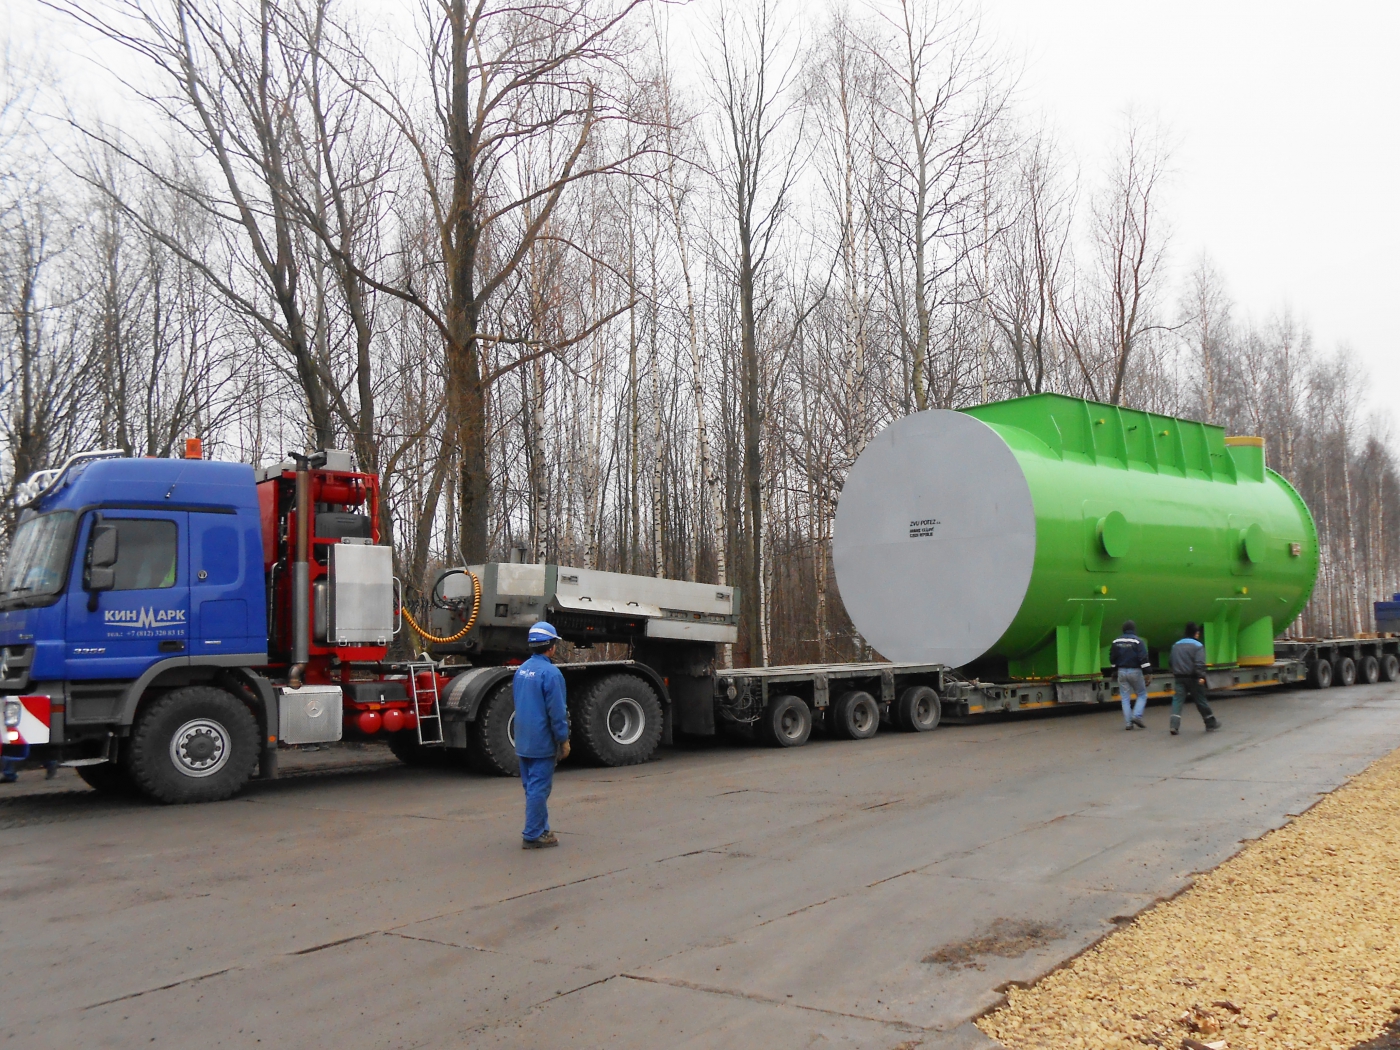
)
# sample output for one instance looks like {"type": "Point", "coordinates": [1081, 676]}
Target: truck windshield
{"type": "Point", "coordinates": [38, 556]}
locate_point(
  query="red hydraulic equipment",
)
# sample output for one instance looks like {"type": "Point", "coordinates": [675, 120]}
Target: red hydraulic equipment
{"type": "Point", "coordinates": [307, 509]}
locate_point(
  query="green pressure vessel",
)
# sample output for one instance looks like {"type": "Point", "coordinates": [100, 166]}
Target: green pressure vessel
{"type": "Point", "coordinates": [1030, 529]}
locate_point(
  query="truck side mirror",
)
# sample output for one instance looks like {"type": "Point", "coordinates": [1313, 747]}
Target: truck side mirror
{"type": "Point", "coordinates": [102, 557]}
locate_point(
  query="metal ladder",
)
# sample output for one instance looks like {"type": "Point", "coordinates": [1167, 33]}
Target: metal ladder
{"type": "Point", "coordinates": [433, 737]}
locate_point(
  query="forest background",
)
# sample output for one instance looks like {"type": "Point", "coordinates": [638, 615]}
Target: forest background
{"type": "Point", "coordinates": [584, 283]}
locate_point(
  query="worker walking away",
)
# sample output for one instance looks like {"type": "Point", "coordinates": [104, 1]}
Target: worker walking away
{"type": "Point", "coordinates": [1189, 673]}
{"type": "Point", "coordinates": [1128, 655]}
{"type": "Point", "coordinates": [541, 732]}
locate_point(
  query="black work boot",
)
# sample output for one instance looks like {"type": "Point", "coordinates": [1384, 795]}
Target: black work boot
{"type": "Point", "coordinates": [1213, 725]}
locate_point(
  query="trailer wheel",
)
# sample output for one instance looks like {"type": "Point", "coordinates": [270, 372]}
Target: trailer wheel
{"type": "Point", "coordinates": [1344, 672]}
{"type": "Point", "coordinates": [918, 709]}
{"type": "Point", "coordinates": [109, 778]}
{"type": "Point", "coordinates": [492, 738]}
{"type": "Point", "coordinates": [1370, 670]}
{"type": "Point", "coordinates": [617, 721]}
{"type": "Point", "coordinates": [196, 744]}
{"type": "Point", "coordinates": [854, 716]}
{"type": "Point", "coordinates": [1390, 667]}
{"type": "Point", "coordinates": [1320, 674]}
{"type": "Point", "coordinates": [786, 722]}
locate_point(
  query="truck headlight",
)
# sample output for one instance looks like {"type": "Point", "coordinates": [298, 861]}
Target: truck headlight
{"type": "Point", "coordinates": [11, 713]}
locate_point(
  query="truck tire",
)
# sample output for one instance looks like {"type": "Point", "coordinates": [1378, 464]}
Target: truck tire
{"type": "Point", "coordinates": [854, 716]}
{"type": "Point", "coordinates": [1369, 671]}
{"type": "Point", "coordinates": [109, 778]}
{"type": "Point", "coordinates": [491, 742]}
{"type": "Point", "coordinates": [1344, 671]}
{"type": "Point", "coordinates": [406, 748]}
{"type": "Point", "coordinates": [918, 709]}
{"type": "Point", "coordinates": [786, 722]}
{"type": "Point", "coordinates": [1320, 674]}
{"type": "Point", "coordinates": [1390, 667]}
{"type": "Point", "coordinates": [196, 744]}
{"type": "Point", "coordinates": [617, 721]}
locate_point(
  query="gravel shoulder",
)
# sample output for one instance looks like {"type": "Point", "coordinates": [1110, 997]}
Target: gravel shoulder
{"type": "Point", "coordinates": [1291, 943]}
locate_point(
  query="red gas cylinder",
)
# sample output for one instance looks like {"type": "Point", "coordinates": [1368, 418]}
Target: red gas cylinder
{"type": "Point", "coordinates": [369, 722]}
{"type": "Point", "coordinates": [393, 720]}
{"type": "Point", "coordinates": [410, 720]}
{"type": "Point", "coordinates": [345, 491]}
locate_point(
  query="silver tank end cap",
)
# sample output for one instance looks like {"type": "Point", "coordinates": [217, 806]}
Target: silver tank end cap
{"type": "Point", "coordinates": [934, 539]}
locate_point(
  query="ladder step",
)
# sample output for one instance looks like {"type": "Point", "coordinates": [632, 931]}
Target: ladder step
{"type": "Point", "coordinates": [422, 695]}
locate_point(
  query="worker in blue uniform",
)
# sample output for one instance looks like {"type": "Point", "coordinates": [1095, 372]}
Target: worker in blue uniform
{"type": "Point", "coordinates": [541, 732]}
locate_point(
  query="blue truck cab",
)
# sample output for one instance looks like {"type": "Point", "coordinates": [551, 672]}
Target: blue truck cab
{"type": "Point", "coordinates": [129, 581]}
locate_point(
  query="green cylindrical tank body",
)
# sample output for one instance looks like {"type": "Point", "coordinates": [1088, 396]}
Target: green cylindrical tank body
{"type": "Point", "coordinates": [1030, 529]}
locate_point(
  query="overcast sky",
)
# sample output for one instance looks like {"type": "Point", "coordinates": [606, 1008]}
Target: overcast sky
{"type": "Point", "coordinates": [1286, 117]}
{"type": "Point", "coordinates": [1286, 120]}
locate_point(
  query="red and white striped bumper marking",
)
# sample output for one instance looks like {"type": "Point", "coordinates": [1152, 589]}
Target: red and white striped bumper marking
{"type": "Point", "coordinates": [33, 725]}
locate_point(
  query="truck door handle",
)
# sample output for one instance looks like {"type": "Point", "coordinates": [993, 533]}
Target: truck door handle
{"type": "Point", "coordinates": [172, 646]}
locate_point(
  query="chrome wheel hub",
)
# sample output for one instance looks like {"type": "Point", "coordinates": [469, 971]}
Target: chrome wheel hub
{"type": "Point", "coordinates": [200, 748]}
{"type": "Point", "coordinates": [626, 721]}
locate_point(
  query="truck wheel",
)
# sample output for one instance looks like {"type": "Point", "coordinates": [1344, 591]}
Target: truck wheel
{"type": "Point", "coordinates": [786, 722]}
{"type": "Point", "coordinates": [492, 738]}
{"type": "Point", "coordinates": [406, 748]}
{"type": "Point", "coordinates": [1390, 667]}
{"type": "Point", "coordinates": [1344, 671]}
{"type": "Point", "coordinates": [1370, 671]}
{"type": "Point", "coordinates": [1320, 674]}
{"type": "Point", "coordinates": [196, 744]}
{"type": "Point", "coordinates": [855, 716]}
{"type": "Point", "coordinates": [110, 779]}
{"type": "Point", "coordinates": [617, 721]}
{"type": "Point", "coordinates": [918, 709]}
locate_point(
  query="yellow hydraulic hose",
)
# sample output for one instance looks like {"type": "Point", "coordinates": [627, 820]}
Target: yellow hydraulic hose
{"type": "Point", "coordinates": [471, 620]}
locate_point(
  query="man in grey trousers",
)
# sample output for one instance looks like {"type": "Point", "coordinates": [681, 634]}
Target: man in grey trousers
{"type": "Point", "coordinates": [1128, 655]}
{"type": "Point", "coordinates": [1189, 672]}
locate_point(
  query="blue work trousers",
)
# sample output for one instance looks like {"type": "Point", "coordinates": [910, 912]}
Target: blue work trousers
{"type": "Point", "coordinates": [537, 777]}
{"type": "Point", "coordinates": [1132, 685]}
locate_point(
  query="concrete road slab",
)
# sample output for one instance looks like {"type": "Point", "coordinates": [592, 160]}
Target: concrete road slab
{"type": "Point", "coordinates": [815, 879]}
{"type": "Point", "coordinates": [862, 953]}
{"type": "Point", "coordinates": [375, 991]}
{"type": "Point", "coordinates": [627, 1011]}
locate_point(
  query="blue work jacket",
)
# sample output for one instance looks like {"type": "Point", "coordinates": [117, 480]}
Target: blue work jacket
{"type": "Point", "coordinates": [541, 717]}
